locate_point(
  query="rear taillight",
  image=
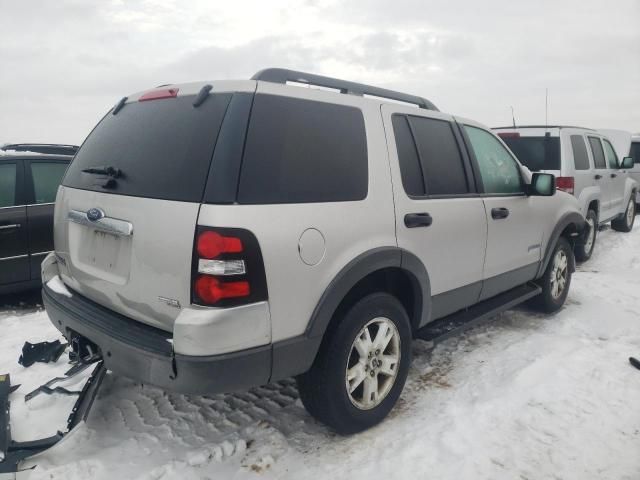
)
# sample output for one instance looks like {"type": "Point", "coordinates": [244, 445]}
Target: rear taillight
{"type": "Point", "coordinates": [566, 184]}
{"type": "Point", "coordinates": [227, 268]}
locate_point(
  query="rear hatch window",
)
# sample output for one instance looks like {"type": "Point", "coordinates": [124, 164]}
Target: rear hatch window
{"type": "Point", "coordinates": [536, 153]}
{"type": "Point", "coordinates": [163, 149]}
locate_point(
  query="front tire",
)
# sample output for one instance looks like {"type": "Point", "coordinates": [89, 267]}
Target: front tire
{"type": "Point", "coordinates": [625, 223]}
{"type": "Point", "coordinates": [556, 279]}
{"type": "Point", "coordinates": [361, 366]}
{"type": "Point", "coordinates": [584, 252]}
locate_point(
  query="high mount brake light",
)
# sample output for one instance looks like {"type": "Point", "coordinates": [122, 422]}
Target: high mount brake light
{"type": "Point", "coordinates": [227, 268]}
{"type": "Point", "coordinates": [508, 134]}
{"type": "Point", "coordinates": [159, 94]}
{"type": "Point", "coordinates": [566, 184]}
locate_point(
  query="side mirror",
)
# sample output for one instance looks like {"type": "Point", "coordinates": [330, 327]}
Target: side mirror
{"type": "Point", "coordinates": [627, 162]}
{"type": "Point", "coordinates": [542, 185]}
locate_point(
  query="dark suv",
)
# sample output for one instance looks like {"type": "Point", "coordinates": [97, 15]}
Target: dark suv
{"type": "Point", "coordinates": [28, 186]}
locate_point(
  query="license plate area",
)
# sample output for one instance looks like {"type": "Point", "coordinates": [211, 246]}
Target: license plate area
{"type": "Point", "coordinates": [100, 254]}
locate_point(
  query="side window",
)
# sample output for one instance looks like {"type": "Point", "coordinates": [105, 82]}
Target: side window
{"type": "Point", "coordinates": [46, 176]}
{"type": "Point", "coordinates": [499, 171]}
{"type": "Point", "coordinates": [580, 157]}
{"type": "Point", "coordinates": [410, 168]}
{"type": "Point", "coordinates": [635, 152]}
{"type": "Point", "coordinates": [7, 184]}
{"type": "Point", "coordinates": [612, 158]}
{"type": "Point", "coordinates": [300, 151]}
{"type": "Point", "coordinates": [598, 153]}
{"type": "Point", "coordinates": [439, 155]}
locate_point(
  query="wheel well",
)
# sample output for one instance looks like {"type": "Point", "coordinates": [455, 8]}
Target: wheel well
{"type": "Point", "coordinates": [594, 205]}
{"type": "Point", "coordinates": [393, 280]}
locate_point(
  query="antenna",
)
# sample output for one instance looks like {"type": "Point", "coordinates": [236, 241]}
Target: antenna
{"type": "Point", "coordinates": [513, 117]}
{"type": "Point", "coordinates": [546, 107]}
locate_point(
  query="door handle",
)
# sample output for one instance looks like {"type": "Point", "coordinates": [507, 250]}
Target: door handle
{"type": "Point", "coordinates": [10, 227]}
{"type": "Point", "coordinates": [598, 177]}
{"type": "Point", "coordinates": [614, 175]}
{"type": "Point", "coordinates": [498, 213]}
{"type": "Point", "coordinates": [413, 220]}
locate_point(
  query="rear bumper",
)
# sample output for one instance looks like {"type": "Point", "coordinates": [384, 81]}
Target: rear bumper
{"type": "Point", "coordinates": [145, 354]}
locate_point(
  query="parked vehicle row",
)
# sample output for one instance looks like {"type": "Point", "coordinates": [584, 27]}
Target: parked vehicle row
{"type": "Point", "coordinates": [210, 237]}
{"type": "Point", "coordinates": [585, 165]}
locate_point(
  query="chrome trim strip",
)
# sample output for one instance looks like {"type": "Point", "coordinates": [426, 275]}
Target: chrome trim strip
{"type": "Point", "coordinates": [39, 204]}
{"type": "Point", "coordinates": [13, 206]}
{"type": "Point", "coordinates": [107, 224]}
{"type": "Point", "coordinates": [13, 258]}
{"type": "Point", "coordinates": [41, 253]}
{"type": "Point", "coordinates": [10, 227]}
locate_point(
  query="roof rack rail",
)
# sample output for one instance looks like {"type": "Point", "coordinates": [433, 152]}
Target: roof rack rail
{"type": "Point", "coordinates": [282, 75]}
{"type": "Point", "coordinates": [540, 126]}
{"type": "Point", "coordinates": [47, 148]}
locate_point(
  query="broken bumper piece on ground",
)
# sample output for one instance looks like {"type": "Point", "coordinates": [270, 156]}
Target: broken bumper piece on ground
{"type": "Point", "coordinates": [12, 452]}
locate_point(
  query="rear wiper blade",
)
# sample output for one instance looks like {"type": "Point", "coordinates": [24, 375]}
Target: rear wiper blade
{"type": "Point", "coordinates": [108, 171]}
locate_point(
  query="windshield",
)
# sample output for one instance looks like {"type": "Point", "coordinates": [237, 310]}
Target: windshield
{"type": "Point", "coordinates": [536, 153]}
{"type": "Point", "coordinates": [156, 149]}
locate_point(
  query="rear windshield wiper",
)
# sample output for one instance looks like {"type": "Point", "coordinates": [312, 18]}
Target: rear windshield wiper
{"type": "Point", "coordinates": [108, 171]}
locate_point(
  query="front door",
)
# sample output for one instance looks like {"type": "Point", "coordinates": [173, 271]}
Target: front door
{"type": "Point", "coordinates": [14, 254]}
{"type": "Point", "coordinates": [439, 216]}
{"type": "Point", "coordinates": [514, 235]}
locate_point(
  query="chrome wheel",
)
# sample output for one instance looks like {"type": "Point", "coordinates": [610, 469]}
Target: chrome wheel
{"type": "Point", "coordinates": [631, 212]}
{"type": "Point", "coordinates": [588, 244]}
{"type": "Point", "coordinates": [373, 363]}
{"type": "Point", "coordinates": [559, 274]}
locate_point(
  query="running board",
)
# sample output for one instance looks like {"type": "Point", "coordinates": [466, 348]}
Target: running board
{"type": "Point", "coordinates": [463, 320]}
{"type": "Point", "coordinates": [12, 452]}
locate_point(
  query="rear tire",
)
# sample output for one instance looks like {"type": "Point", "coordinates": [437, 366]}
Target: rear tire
{"type": "Point", "coordinates": [584, 252]}
{"type": "Point", "coordinates": [337, 390]}
{"type": "Point", "coordinates": [625, 223]}
{"type": "Point", "coordinates": [556, 280]}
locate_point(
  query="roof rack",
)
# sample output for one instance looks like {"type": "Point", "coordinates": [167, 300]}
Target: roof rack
{"type": "Point", "coordinates": [540, 126]}
{"type": "Point", "coordinates": [50, 148]}
{"type": "Point", "coordinates": [282, 75]}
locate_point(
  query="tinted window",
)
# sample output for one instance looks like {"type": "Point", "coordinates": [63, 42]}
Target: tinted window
{"type": "Point", "coordinates": [46, 178]}
{"type": "Point", "coordinates": [580, 157]}
{"type": "Point", "coordinates": [439, 156]}
{"type": "Point", "coordinates": [536, 153]}
{"type": "Point", "coordinates": [635, 152]}
{"type": "Point", "coordinates": [498, 170]}
{"type": "Point", "coordinates": [7, 184]}
{"type": "Point", "coordinates": [163, 148]}
{"type": "Point", "coordinates": [410, 168]}
{"type": "Point", "coordinates": [597, 152]}
{"type": "Point", "coordinates": [612, 158]}
{"type": "Point", "coordinates": [301, 151]}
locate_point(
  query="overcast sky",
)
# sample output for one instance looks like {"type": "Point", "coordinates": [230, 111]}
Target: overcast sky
{"type": "Point", "coordinates": [63, 63]}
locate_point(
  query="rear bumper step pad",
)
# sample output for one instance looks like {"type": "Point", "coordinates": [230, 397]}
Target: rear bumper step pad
{"type": "Point", "coordinates": [12, 452]}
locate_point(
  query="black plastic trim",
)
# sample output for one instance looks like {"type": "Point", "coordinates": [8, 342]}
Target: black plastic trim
{"type": "Point", "coordinates": [566, 220]}
{"type": "Point", "coordinates": [505, 281]}
{"type": "Point", "coordinates": [449, 302]}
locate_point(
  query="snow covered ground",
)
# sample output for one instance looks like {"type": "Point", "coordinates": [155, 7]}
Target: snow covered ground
{"type": "Point", "coordinates": [526, 397]}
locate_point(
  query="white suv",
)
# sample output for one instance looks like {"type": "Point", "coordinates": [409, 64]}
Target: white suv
{"type": "Point", "coordinates": [211, 237]}
{"type": "Point", "coordinates": [585, 165]}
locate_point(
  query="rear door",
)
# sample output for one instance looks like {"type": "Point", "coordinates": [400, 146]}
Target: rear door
{"type": "Point", "coordinates": [126, 215]}
{"type": "Point", "coordinates": [602, 177]}
{"type": "Point", "coordinates": [617, 178]}
{"type": "Point", "coordinates": [513, 233]}
{"type": "Point", "coordinates": [14, 257]}
{"type": "Point", "coordinates": [42, 179]}
{"type": "Point", "coordinates": [439, 216]}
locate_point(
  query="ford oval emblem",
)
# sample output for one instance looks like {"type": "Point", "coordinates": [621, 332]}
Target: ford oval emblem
{"type": "Point", "coordinates": [95, 214]}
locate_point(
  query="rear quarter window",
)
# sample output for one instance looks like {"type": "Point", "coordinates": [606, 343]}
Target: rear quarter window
{"type": "Point", "coordinates": [300, 151]}
{"type": "Point", "coordinates": [163, 148]}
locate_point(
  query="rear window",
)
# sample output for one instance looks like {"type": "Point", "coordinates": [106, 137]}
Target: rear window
{"type": "Point", "coordinates": [580, 156]}
{"type": "Point", "coordinates": [300, 151]}
{"type": "Point", "coordinates": [536, 153]}
{"type": "Point", "coordinates": [635, 152]}
{"type": "Point", "coordinates": [162, 147]}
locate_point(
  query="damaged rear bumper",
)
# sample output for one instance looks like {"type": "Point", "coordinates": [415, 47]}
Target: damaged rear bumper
{"type": "Point", "coordinates": [144, 353]}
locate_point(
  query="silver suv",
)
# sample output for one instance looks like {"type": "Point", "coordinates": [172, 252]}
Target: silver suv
{"type": "Point", "coordinates": [212, 237]}
{"type": "Point", "coordinates": [587, 166]}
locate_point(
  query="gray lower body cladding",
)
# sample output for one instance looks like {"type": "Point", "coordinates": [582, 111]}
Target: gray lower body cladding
{"type": "Point", "coordinates": [145, 354]}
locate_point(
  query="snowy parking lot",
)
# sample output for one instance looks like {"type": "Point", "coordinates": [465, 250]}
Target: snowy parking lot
{"type": "Point", "coordinates": [526, 397]}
